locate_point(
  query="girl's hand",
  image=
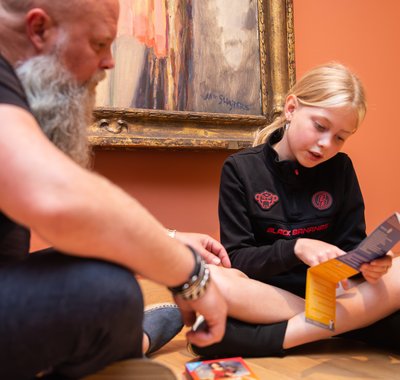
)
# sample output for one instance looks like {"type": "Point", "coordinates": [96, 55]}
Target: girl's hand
{"type": "Point", "coordinates": [374, 270]}
{"type": "Point", "coordinates": [313, 252]}
{"type": "Point", "coordinates": [209, 248]}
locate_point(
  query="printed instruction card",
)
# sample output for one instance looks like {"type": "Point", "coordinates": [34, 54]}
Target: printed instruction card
{"type": "Point", "coordinates": [323, 278]}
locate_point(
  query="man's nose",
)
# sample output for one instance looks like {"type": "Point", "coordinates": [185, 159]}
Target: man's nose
{"type": "Point", "coordinates": [107, 62]}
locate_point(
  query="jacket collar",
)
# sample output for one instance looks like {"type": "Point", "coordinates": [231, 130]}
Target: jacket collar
{"type": "Point", "coordinates": [288, 171]}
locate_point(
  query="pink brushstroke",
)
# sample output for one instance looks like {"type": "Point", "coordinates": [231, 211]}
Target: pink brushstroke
{"type": "Point", "coordinates": [147, 21]}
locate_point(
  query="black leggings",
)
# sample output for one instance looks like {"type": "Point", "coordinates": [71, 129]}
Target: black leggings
{"type": "Point", "coordinates": [244, 339]}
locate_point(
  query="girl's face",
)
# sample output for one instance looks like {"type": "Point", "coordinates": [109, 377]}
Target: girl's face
{"type": "Point", "coordinates": [314, 134]}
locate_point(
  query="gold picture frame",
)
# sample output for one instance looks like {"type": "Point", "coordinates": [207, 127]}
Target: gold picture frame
{"type": "Point", "coordinates": [131, 128]}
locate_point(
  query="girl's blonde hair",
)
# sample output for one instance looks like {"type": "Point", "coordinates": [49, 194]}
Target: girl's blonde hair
{"type": "Point", "coordinates": [329, 85]}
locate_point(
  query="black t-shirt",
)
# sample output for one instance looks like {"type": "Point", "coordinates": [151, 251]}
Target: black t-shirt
{"type": "Point", "coordinates": [11, 90]}
{"type": "Point", "coordinates": [14, 238]}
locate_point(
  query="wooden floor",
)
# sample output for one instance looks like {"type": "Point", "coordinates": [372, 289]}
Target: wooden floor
{"type": "Point", "coordinates": [334, 359]}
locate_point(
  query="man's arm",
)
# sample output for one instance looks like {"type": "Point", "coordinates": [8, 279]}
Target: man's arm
{"type": "Point", "coordinates": [77, 211]}
{"type": "Point", "coordinates": [85, 215]}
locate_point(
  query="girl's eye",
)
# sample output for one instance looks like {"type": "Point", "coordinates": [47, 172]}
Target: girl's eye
{"type": "Point", "coordinates": [340, 138]}
{"type": "Point", "coordinates": [319, 127]}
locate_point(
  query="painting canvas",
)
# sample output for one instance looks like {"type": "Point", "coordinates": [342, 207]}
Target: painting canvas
{"type": "Point", "coordinates": [186, 55]}
{"type": "Point", "coordinates": [195, 74]}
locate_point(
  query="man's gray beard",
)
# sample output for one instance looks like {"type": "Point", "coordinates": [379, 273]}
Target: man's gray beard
{"type": "Point", "coordinates": [62, 108]}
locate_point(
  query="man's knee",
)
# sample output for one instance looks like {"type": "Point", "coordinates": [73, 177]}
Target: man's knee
{"type": "Point", "coordinates": [110, 320]}
{"type": "Point", "coordinates": [112, 292]}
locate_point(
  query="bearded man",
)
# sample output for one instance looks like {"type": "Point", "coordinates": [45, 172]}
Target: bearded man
{"type": "Point", "coordinates": [70, 310]}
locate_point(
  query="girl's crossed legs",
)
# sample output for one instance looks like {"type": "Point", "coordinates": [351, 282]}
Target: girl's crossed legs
{"type": "Point", "coordinates": [258, 303]}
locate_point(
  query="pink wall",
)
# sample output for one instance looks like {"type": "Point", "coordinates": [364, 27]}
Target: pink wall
{"type": "Point", "coordinates": [181, 188]}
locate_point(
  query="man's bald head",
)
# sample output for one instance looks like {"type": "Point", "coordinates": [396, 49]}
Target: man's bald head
{"type": "Point", "coordinates": [55, 7]}
{"type": "Point", "coordinates": [57, 45]}
{"type": "Point", "coordinates": [14, 14]}
{"type": "Point", "coordinates": [34, 27]}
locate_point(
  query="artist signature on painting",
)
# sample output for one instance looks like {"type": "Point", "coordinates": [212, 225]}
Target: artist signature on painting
{"type": "Point", "coordinates": [223, 100]}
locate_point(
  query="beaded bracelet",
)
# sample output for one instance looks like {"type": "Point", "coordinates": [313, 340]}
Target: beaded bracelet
{"type": "Point", "coordinates": [198, 281]}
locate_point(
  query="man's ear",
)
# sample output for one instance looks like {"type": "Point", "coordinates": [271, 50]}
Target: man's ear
{"type": "Point", "coordinates": [291, 104]}
{"type": "Point", "coordinates": [38, 24]}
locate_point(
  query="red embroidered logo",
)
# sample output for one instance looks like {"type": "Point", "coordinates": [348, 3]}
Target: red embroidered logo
{"type": "Point", "coordinates": [322, 200]}
{"type": "Point", "coordinates": [266, 199]}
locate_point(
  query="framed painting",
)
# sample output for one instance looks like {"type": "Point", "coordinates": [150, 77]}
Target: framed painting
{"type": "Point", "coordinates": [195, 74]}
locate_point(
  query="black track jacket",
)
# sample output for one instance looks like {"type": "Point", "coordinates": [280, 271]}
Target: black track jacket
{"type": "Point", "coordinates": [265, 205]}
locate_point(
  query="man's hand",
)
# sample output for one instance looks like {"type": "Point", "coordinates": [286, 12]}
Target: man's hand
{"type": "Point", "coordinates": [374, 270]}
{"type": "Point", "coordinates": [212, 306]}
{"type": "Point", "coordinates": [313, 252]}
{"type": "Point", "coordinates": [210, 249]}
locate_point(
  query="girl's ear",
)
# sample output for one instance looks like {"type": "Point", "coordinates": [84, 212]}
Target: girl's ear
{"type": "Point", "coordinates": [291, 104]}
{"type": "Point", "coordinates": [38, 26]}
